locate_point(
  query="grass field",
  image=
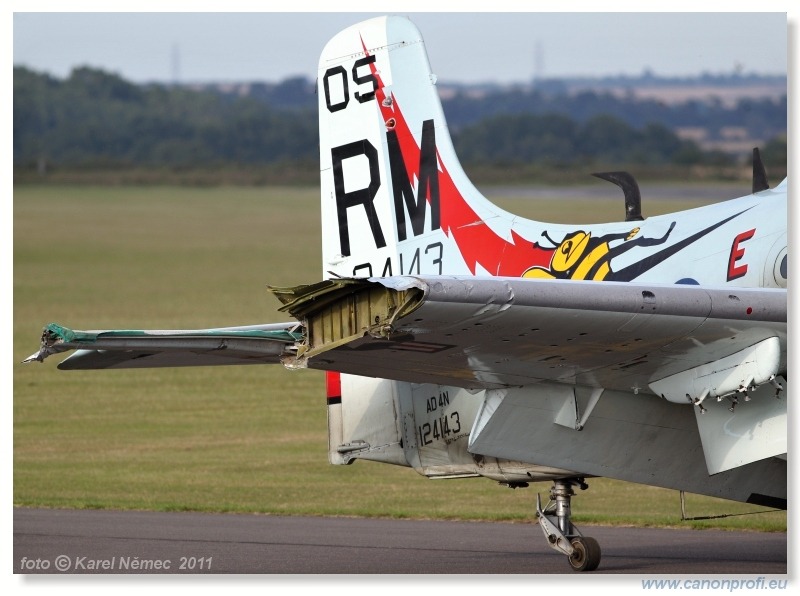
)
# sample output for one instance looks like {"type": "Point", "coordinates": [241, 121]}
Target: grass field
{"type": "Point", "coordinates": [238, 439]}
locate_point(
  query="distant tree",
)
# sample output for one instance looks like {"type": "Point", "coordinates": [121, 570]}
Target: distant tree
{"type": "Point", "coordinates": [774, 153]}
{"type": "Point", "coordinates": [607, 137]}
{"type": "Point", "coordinates": [555, 139]}
{"type": "Point", "coordinates": [95, 117]}
{"type": "Point", "coordinates": [101, 85]}
{"type": "Point", "coordinates": [687, 155]}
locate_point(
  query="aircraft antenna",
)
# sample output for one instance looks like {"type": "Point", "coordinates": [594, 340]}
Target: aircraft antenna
{"type": "Point", "coordinates": [633, 198]}
{"type": "Point", "coordinates": [759, 173]}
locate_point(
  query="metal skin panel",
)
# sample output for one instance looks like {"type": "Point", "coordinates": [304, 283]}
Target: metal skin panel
{"type": "Point", "coordinates": [736, 373]}
{"type": "Point", "coordinates": [443, 417]}
{"type": "Point", "coordinates": [655, 438]}
{"type": "Point", "coordinates": [648, 441]}
{"type": "Point", "coordinates": [426, 427]}
{"type": "Point", "coordinates": [752, 430]}
{"type": "Point", "coordinates": [491, 333]}
{"type": "Point", "coordinates": [369, 422]}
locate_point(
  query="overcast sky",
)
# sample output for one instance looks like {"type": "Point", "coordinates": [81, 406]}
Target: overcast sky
{"type": "Point", "coordinates": [463, 47]}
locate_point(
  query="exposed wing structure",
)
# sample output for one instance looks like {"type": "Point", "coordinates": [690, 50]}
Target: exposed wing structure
{"type": "Point", "coordinates": [489, 333]}
{"type": "Point", "coordinates": [257, 344]}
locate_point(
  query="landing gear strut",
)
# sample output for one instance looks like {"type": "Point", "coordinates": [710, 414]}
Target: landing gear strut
{"type": "Point", "coordinates": [583, 552]}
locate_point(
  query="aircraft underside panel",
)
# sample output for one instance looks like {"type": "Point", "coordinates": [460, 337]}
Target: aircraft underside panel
{"type": "Point", "coordinates": [423, 426]}
{"type": "Point", "coordinates": [650, 441]}
{"type": "Point", "coordinates": [745, 427]}
{"type": "Point", "coordinates": [364, 422]}
{"type": "Point", "coordinates": [437, 442]}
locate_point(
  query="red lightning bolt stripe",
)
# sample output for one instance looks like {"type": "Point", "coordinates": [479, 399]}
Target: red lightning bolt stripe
{"type": "Point", "coordinates": [477, 242]}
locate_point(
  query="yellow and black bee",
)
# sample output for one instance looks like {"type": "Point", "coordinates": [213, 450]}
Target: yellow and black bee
{"type": "Point", "coordinates": [580, 256]}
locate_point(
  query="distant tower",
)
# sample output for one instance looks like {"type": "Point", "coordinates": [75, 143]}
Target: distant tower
{"type": "Point", "coordinates": [176, 64]}
{"type": "Point", "coordinates": [538, 62]}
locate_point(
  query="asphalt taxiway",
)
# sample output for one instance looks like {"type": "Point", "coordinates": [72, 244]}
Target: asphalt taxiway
{"type": "Point", "coordinates": [89, 541]}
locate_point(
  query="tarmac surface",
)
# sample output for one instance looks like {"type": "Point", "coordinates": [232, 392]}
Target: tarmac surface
{"type": "Point", "coordinates": [63, 542]}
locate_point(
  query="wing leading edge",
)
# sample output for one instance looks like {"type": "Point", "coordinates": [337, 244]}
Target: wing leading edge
{"type": "Point", "coordinates": [490, 333]}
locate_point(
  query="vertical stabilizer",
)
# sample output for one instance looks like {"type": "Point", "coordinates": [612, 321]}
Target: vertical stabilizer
{"type": "Point", "coordinates": [395, 200]}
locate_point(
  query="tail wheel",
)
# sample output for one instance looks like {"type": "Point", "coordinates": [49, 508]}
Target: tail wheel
{"type": "Point", "coordinates": [586, 556]}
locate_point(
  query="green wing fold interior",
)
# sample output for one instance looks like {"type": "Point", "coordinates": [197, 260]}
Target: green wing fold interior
{"type": "Point", "coordinates": [130, 348]}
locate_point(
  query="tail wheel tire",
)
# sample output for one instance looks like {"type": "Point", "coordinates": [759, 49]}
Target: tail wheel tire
{"type": "Point", "coordinates": [586, 556]}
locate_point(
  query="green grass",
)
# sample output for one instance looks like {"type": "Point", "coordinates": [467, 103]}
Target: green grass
{"type": "Point", "coordinates": [238, 439]}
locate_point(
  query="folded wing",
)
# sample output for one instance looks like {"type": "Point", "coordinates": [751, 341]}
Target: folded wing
{"type": "Point", "coordinates": [488, 333]}
{"type": "Point", "coordinates": [256, 344]}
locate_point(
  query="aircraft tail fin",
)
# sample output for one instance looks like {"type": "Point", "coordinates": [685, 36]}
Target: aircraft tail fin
{"type": "Point", "coordinates": [395, 200]}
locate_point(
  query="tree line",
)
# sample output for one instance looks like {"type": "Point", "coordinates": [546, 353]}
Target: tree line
{"type": "Point", "coordinates": [97, 119]}
{"type": "Point", "coordinates": [762, 117]}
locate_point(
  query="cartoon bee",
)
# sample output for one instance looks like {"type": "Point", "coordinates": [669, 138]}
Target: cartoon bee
{"type": "Point", "coordinates": [580, 256]}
